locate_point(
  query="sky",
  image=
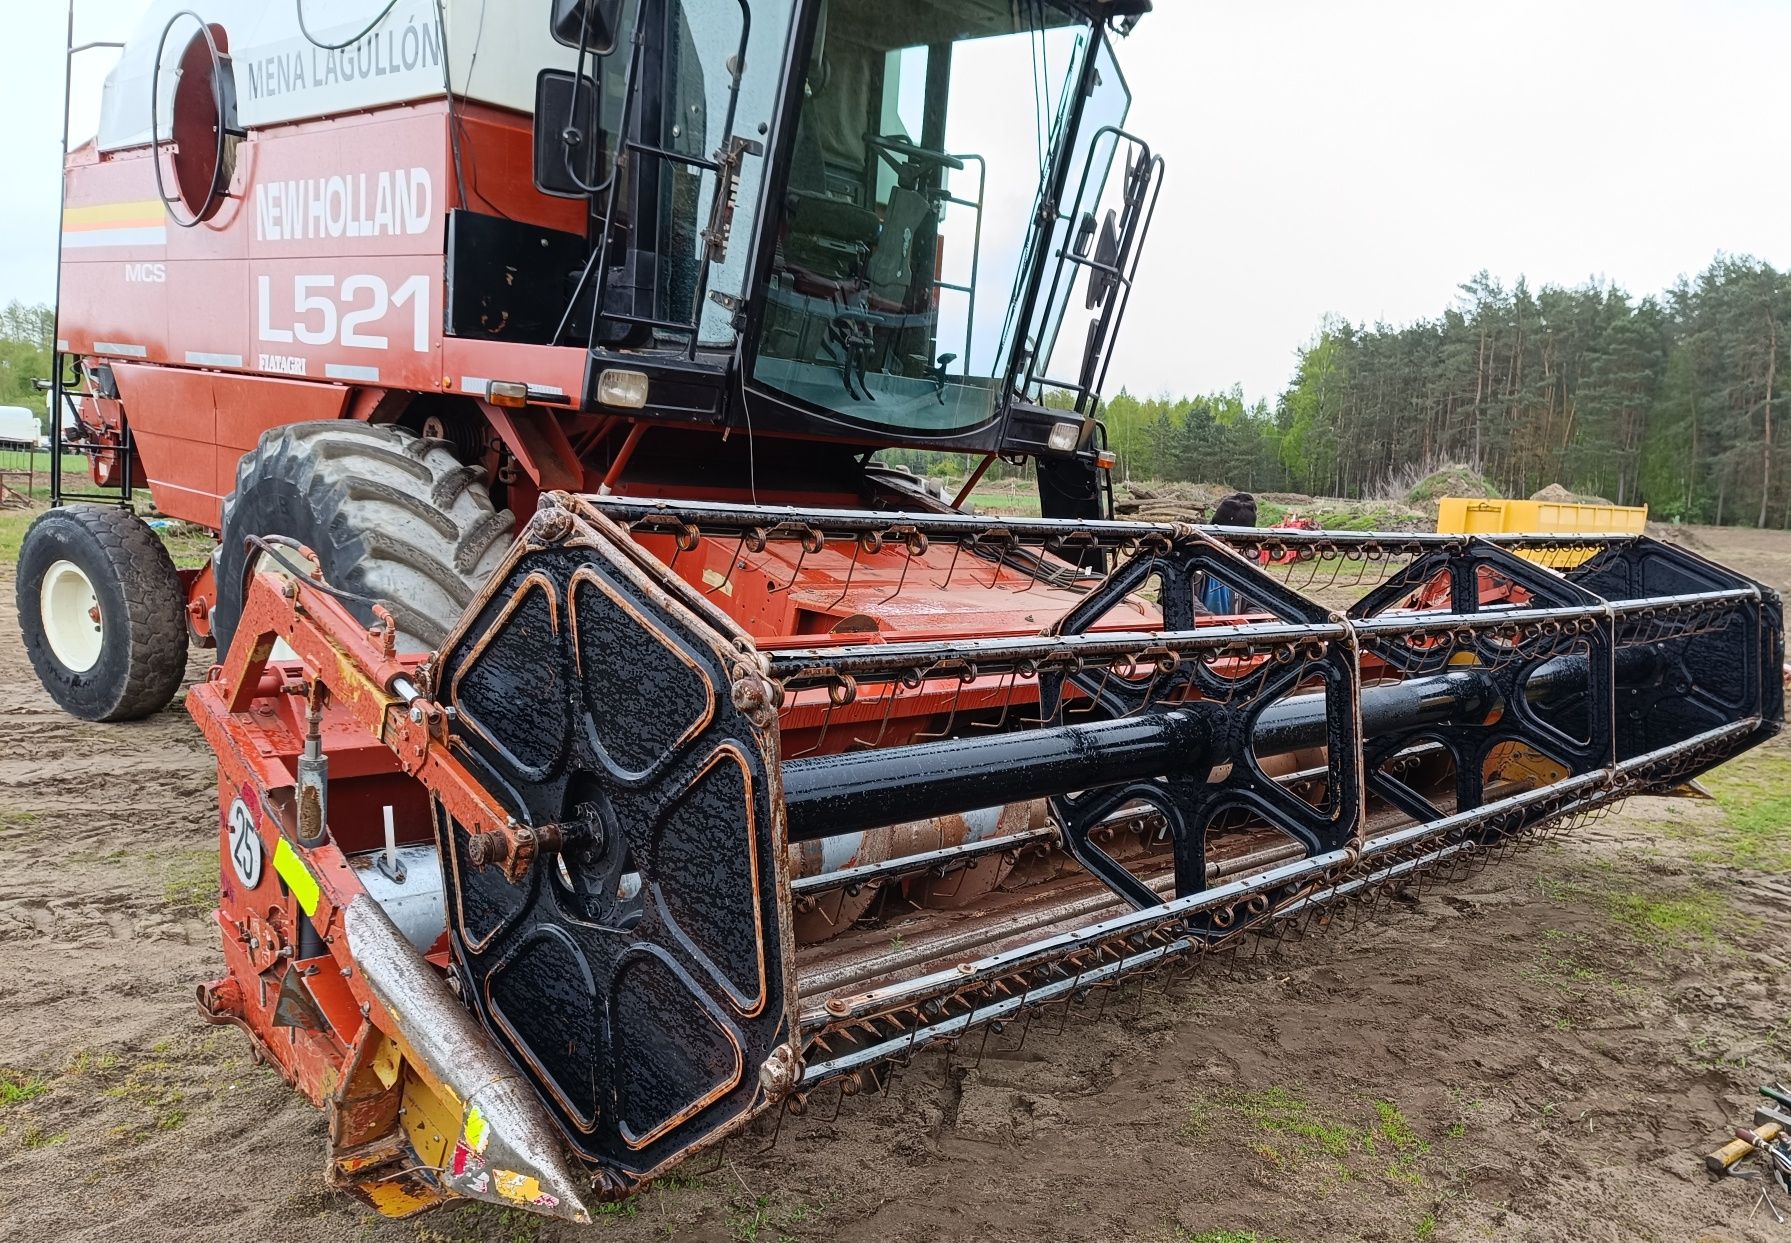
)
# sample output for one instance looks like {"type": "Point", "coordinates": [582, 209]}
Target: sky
{"type": "Point", "coordinates": [1357, 158]}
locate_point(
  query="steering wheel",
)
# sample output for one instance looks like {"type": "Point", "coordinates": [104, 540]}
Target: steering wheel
{"type": "Point", "coordinates": [895, 149]}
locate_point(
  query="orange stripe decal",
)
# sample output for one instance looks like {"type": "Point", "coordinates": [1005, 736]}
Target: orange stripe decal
{"type": "Point", "coordinates": [146, 214]}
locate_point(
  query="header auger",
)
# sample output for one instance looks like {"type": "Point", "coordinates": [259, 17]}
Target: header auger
{"type": "Point", "coordinates": [612, 750]}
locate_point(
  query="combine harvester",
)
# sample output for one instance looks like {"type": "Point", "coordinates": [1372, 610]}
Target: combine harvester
{"type": "Point", "coordinates": [740, 768]}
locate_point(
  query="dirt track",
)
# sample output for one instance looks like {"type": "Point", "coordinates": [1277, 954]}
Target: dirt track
{"type": "Point", "coordinates": [1540, 1052]}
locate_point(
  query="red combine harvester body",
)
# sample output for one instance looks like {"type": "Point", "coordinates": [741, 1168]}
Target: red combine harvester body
{"type": "Point", "coordinates": [316, 294]}
{"type": "Point", "coordinates": [613, 751]}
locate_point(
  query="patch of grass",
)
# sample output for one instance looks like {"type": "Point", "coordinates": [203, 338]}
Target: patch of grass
{"type": "Point", "coordinates": [1289, 1130]}
{"type": "Point", "coordinates": [1394, 1131]}
{"type": "Point", "coordinates": [1564, 964]}
{"type": "Point", "coordinates": [1657, 920]}
{"type": "Point", "coordinates": [1277, 1111]}
{"type": "Point", "coordinates": [17, 1086]}
{"type": "Point", "coordinates": [1427, 1227]}
{"type": "Point", "coordinates": [1754, 793]}
{"type": "Point", "coordinates": [190, 883]}
{"type": "Point", "coordinates": [1703, 1052]}
{"type": "Point", "coordinates": [1227, 1236]}
{"type": "Point", "coordinates": [86, 1063]}
{"type": "Point", "coordinates": [747, 1224]}
{"type": "Point", "coordinates": [1669, 921]}
{"type": "Point", "coordinates": [1200, 1118]}
{"type": "Point", "coordinates": [12, 533]}
{"type": "Point", "coordinates": [1559, 965]}
{"type": "Point", "coordinates": [36, 1137]}
{"type": "Point", "coordinates": [190, 546]}
{"type": "Point", "coordinates": [147, 1086]}
{"type": "Point", "coordinates": [680, 1182]}
{"type": "Point", "coordinates": [1014, 504]}
{"type": "Point", "coordinates": [1363, 516]}
{"type": "Point", "coordinates": [767, 1221]}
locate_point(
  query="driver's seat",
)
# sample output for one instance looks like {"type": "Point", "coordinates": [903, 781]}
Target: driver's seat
{"type": "Point", "coordinates": [910, 217]}
{"type": "Point", "coordinates": [826, 243]}
{"type": "Point", "coordinates": [826, 239]}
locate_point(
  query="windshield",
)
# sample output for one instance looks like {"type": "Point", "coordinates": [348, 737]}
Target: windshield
{"type": "Point", "coordinates": [1089, 194]}
{"type": "Point", "coordinates": [923, 143]}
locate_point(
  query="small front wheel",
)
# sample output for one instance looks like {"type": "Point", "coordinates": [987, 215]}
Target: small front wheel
{"type": "Point", "coordinates": [103, 613]}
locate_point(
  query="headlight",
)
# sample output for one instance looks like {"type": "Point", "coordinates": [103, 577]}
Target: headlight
{"type": "Point", "coordinates": [626, 390]}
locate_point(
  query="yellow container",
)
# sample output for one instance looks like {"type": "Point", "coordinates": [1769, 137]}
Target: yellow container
{"type": "Point", "coordinates": [1462, 516]}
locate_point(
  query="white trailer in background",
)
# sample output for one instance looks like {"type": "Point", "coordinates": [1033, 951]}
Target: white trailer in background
{"type": "Point", "coordinates": [20, 429]}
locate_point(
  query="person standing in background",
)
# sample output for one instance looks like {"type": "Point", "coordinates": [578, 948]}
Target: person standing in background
{"type": "Point", "coordinates": [1236, 510]}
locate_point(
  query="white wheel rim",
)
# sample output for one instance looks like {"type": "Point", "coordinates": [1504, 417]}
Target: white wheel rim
{"type": "Point", "coordinates": [71, 616]}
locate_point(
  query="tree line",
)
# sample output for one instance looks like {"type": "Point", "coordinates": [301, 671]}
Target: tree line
{"type": "Point", "coordinates": [1678, 400]}
{"type": "Point", "coordinates": [25, 339]}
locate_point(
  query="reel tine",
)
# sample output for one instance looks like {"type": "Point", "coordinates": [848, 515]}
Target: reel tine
{"type": "Point", "coordinates": [957, 550]}
{"type": "Point", "coordinates": [909, 556]}
{"type": "Point", "coordinates": [951, 716]}
{"type": "Point", "coordinates": [725, 586]}
{"type": "Point", "coordinates": [858, 550]}
{"type": "Point", "coordinates": [839, 1101]}
{"type": "Point", "coordinates": [892, 691]}
{"type": "Point", "coordinates": [777, 1129]}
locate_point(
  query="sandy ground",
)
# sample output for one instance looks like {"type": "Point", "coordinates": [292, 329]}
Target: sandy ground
{"type": "Point", "coordinates": [1542, 1051]}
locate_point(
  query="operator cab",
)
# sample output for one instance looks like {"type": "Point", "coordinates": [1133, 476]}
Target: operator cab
{"type": "Point", "coordinates": [872, 218]}
{"type": "Point", "coordinates": [875, 209]}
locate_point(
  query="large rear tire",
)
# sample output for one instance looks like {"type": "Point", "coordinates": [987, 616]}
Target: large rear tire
{"type": "Point", "coordinates": [102, 612]}
{"type": "Point", "coordinates": [392, 517]}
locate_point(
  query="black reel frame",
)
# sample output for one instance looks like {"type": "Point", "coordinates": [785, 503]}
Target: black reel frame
{"type": "Point", "coordinates": [1312, 653]}
{"type": "Point", "coordinates": [1564, 629]}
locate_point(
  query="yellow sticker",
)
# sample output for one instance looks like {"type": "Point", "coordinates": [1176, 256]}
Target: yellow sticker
{"type": "Point", "coordinates": [297, 876]}
{"type": "Point", "coordinates": [514, 1186]}
{"type": "Point", "coordinates": [478, 1134]}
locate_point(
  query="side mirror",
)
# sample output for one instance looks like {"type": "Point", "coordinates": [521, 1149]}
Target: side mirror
{"type": "Point", "coordinates": [1101, 283]}
{"type": "Point", "coordinates": [568, 143]}
{"type": "Point", "coordinates": [590, 24]}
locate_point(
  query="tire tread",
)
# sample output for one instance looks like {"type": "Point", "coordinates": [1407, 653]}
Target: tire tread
{"type": "Point", "coordinates": [385, 506]}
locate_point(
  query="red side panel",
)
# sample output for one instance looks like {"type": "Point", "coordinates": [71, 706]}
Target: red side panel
{"type": "Point", "coordinates": [498, 149]}
{"type": "Point", "coordinates": [191, 426]}
{"type": "Point", "coordinates": [325, 262]}
{"type": "Point", "coordinates": [321, 275]}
